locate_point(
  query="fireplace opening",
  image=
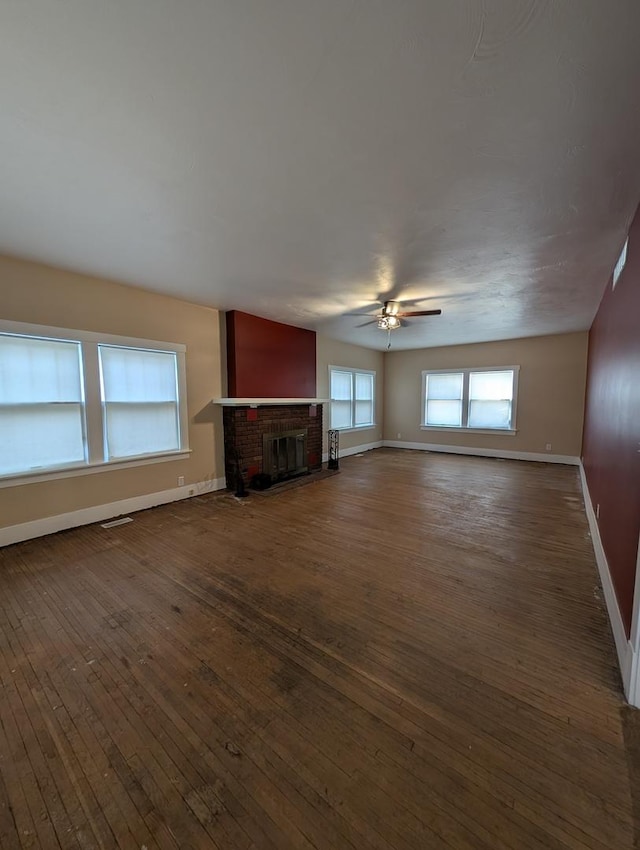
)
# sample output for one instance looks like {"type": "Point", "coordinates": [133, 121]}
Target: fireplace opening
{"type": "Point", "coordinates": [284, 454]}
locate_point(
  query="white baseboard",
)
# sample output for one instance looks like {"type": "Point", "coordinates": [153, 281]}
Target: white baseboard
{"type": "Point", "coordinates": [634, 677]}
{"type": "Point", "coordinates": [627, 657]}
{"type": "Point", "coordinates": [97, 513]}
{"type": "Point", "coordinates": [542, 457]}
{"type": "Point", "coordinates": [354, 450]}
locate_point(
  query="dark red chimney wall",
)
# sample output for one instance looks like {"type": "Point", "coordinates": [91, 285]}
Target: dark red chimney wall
{"type": "Point", "coordinates": [611, 443]}
{"type": "Point", "coordinates": [268, 359]}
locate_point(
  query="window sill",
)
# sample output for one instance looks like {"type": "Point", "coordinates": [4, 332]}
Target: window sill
{"type": "Point", "coordinates": [355, 428]}
{"type": "Point", "coordinates": [509, 432]}
{"type": "Point", "coordinates": [89, 469]}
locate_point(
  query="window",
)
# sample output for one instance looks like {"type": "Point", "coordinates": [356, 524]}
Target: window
{"type": "Point", "coordinates": [444, 399]}
{"type": "Point", "coordinates": [474, 399]}
{"type": "Point", "coordinates": [73, 400]}
{"type": "Point", "coordinates": [139, 392]}
{"type": "Point", "coordinates": [352, 398]}
{"type": "Point", "coordinates": [41, 404]}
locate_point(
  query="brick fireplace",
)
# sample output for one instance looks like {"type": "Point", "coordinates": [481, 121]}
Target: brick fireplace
{"type": "Point", "coordinates": [245, 430]}
{"type": "Point", "coordinates": [272, 419]}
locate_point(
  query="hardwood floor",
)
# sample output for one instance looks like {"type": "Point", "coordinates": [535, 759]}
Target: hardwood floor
{"type": "Point", "coordinates": [411, 654]}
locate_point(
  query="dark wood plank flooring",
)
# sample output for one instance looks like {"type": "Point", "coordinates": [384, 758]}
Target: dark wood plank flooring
{"type": "Point", "coordinates": [411, 654]}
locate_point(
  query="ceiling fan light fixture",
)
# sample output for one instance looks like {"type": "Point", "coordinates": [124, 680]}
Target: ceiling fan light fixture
{"type": "Point", "coordinates": [388, 323]}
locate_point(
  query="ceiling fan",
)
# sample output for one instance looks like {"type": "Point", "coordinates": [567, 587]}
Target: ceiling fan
{"type": "Point", "coordinates": [392, 315]}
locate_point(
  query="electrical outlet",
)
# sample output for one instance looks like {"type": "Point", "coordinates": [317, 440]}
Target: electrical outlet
{"type": "Point", "coordinates": [180, 480]}
{"type": "Point", "coordinates": [597, 511]}
{"type": "Point", "coordinates": [548, 447]}
{"type": "Point", "coordinates": [399, 435]}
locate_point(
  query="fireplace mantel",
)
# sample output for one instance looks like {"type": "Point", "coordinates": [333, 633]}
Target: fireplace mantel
{"type": "Point", "coordinates": [262, 402]}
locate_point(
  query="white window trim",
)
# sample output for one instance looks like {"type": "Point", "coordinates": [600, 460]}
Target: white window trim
{"type": "Point", "coordinates": [93, 415]}
{"type": "Point", "coordinates": [466, 370]}
{"type": "Point", "coordinates": [354, 370]}
{"type": "Point", "coordinates": [73, 470]}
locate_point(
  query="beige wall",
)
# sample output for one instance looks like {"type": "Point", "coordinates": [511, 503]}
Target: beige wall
{"type": "Point", "coordinates": [550, 398]}
{"type": "Point", "coordinates": [329, 352]}
{"type": "Point", "coordinates": [34, 293]}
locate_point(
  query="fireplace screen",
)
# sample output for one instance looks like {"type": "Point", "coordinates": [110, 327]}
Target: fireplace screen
{"type": "Point", "coordinates": [285, 454]}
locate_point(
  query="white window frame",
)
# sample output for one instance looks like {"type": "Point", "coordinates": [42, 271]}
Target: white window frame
{"type": "Point", "coordinates": [353, 372]}
{"type": "Point", "coordinates": [465, 372]}
{"type": "Point", "coordinates": [93, 412]}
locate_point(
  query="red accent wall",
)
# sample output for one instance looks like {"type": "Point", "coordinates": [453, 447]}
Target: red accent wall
{"type": "Point", "coordinates": [268, 359]}
{"type": "Point", "coordinates": [611, 443]}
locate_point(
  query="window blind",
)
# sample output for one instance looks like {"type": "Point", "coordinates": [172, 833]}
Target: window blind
{"type": "Point", "coordinates": [140, 398]}
{"type": "Point", "coordinates": [41, 404]}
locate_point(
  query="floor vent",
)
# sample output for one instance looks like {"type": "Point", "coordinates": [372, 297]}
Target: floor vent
{"type": "Point", "coordinates": [122, 521]}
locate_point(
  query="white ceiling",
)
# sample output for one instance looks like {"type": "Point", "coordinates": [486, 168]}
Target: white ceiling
{"type": "Point", "coordinates": [299, 159]}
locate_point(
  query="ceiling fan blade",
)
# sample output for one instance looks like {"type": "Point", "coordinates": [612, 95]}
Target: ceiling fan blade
{"type": "Point", "coordinates": [413, 313]}
{"type": "Point", "coordinates": [364, 324]}
{"type": "Point", "coordinates": [365, 309]}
